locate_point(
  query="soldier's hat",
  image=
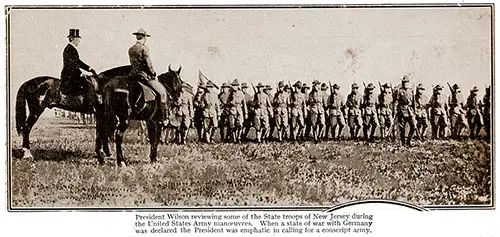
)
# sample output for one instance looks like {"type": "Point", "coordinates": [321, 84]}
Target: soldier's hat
{"type": "Point", "coordinates": [370, 86]}
{"type": "Point", "coordinates": [224, 85]}
{"type": "Point", "coordinates": [438, 87]}
{"type": "Point", "coordinates": [305, 86]}
{"type": "Point", "coordinates": [335, 86]}
{"type": "Point", "coordinates": [244, 85]}
{"type": "Point", "coordinates": [386, 85]}
{"type": "Point", "coordinates": [406, 78]}
{"type": "Point", "coordinates": [260, 85]}
{"type": "Point", "coordinates": [324, 86]}
{"type": "Point", "coordinates": [298, 84]}
{"type": "Point", "coordinates": [74, 33]}
{"type": "Point", "coordinates": [475, 89]}
{"type": "Point", "coordinates": [268, 87]}
{"type": "Point", "coordinates": [235, 83]}
{"type": "Point", "coordinates": [316, 82]}
{"type": "Point", "coordinates": [141, 32]}
{"type": "Point", "coordinates": [455, 87]}
{"type": "Point", "coordinates": [354, 85]}
{"type": "Point", "coordinates": [201, 85]}
{"type": "Point", "coordinates": [281, 84]}
{"type": "Point", "coordinates": [420, 86]}
{"type": "Point", "coordinates": [287, 87]}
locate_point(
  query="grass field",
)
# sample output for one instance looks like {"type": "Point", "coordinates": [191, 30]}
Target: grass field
{"type": "Point", "coordinates": [65, 174]}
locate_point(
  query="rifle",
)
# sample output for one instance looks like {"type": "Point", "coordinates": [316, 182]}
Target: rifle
{"type": "Point", "coordinates": [451, 89]}
{"type": "Point", "coordinates": [380, 87]}
{"type": "Point", "coordinates": [253, 87]}
{"type": "Point", "coordinates": [290, 85]}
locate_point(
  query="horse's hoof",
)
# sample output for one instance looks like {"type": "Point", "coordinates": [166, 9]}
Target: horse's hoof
{"type": "Point", "coordinates": [27, 154]}
{"type": "Point", "coordinates": [122, 164]}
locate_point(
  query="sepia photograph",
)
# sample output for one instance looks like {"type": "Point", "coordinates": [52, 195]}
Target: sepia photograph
{"type": "Point", "coordinates": [252, 106]}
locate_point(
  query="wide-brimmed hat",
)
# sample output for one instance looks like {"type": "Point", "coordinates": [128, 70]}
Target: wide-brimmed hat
{"type": "Point", "coordinates": [260, 85]}
{"type": "Point", "coordinates": [298, 84]}
{"type": "Point", "coordinates": [354, 85]}
{"type": "Point", "coordinates": [235, 82]}
{"type": "Point", "coordinates": [335, 86]}
{"type": "Point", "coordinates": [141, 32]}
{"type": "Point", "coordinates": [324, 86]}
{"type": "Point", "coordinates": [268, 87]}
{"type": "Point", "coordinates": [281, 84]}
{"type": "Point", "coordinates": [224, 85]}
{"type": "Point", "coordinates": [456, 87]}
{"type": "Point", "coordinates": [475, 89]}
{"type": "Point", "coordinates": [244, 85]}
{"type": "Point", "coordinates": [74, 33]}
{"type": "Point", "coordinates": [438, 87]}
{"type": "Point", "coordinates": [420, 86]}
{"type": "Point", "coordinates": [370, 86]}
{"type": "Point", "coordinates": [316, 82]}
{"type": "Point", "coordinates": [287, 87]}
{"type": "Point", "coordinates": [305, 86]}
{"type": "Point", "coordinates": [201, 85]}
{"type": "Point", "coordinates": [406, 78]}
{"type": "Point", "coordinates": [210, 84]}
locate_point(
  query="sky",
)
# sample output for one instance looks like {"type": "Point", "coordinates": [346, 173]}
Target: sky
{"type": "Point", "coordinates": [340, 45]}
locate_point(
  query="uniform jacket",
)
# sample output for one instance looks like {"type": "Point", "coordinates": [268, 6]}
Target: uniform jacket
{"type": "Point", "coordinates": [369, 103]}
{"type": "Point", "coordinates": [316, 102]}
{"type": "Point", "coordinates": [210, 104]}
{"type": "Point", "coordinates": [438, 104]}
{"type": "Point", "coordinates": [472, 105]}
{"type": "Point", "coordinates": [140, 61]}
{"type": "Point", "coordinates": [262, 103]}
{"type": "Point", "coordinates": [353, 102]}
{"type": "Point", "coordinates": [456, 103]}
{"type": "Point", "coordinates": [237, 102]}
{"type": "Point", "coordinates": [281, 102]}
{"type": "Point", "coordinates": [185, 104]}
{"type": "Point", "coordinates": [384, 104]}
{"type": "Point", "coordinates": [403, 100]}
{"type": "Point", "coordinates": [420, 105]}
{"type": "Point", "coordinates": [335, 104]}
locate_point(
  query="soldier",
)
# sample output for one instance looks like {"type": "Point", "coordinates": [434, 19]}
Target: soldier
{"type": "Point", "coordinates": [73, 81]}
{"type": "Point", "coordinates": [281, 102]}
{"type": "Point", "coordinates": [486, 103]}
{"type": "Point", "coordinates": [316, 110]}
{"type": "Point", "coordinates": [324, 97]}
{"type": "Point", "coordinates": [185, 113]}
{"type": "Point", "coordinates": [237, 111]}
{"type": "Point", "coordinates": [369, 113]}
{"type": "Point", "coordinates": [288, 93]}
{"type": "Point", "coordinates": [336, 112]}
{"type": "Point", "coordinates": [474, 117]}
{"type": "Point", "coordinates": [403, 101]}
{"type": "Point", "coordinates": [224, 107]}
{"type": "Point", "coordinates": [385, 113]}
{"type": "Point", "coordinates": [248, 123]}
{"type": "Point", "coordinates": [457, 113]}
{"type": "Point", "coordinates": [270, 113]}
{"type": "Point", "coordinates": [198, 110]}
{"type": "Point", "coordinates": [211, 111]}
{"type": "Point", "coordinates": [142, 70]}
{"type": "Point", "coordinates": [438, 107]}
{"type": "Point", "coordinates": [261, 118]}
{"type": "Point", "coordinates": [298, 111]}
{"type": "Point", "coordinates": [355, 121]}
{"type": "Point", "coordinates": [421, 107]}
{"type": "Point", "coordinates": [306, 134]}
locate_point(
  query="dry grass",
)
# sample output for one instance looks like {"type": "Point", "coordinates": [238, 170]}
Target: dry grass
{"type": "Point", "coordinates": [64, 173]}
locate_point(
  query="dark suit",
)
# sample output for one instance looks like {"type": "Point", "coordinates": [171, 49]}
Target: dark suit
{"type": "Point", "coordinates": [71, 80]}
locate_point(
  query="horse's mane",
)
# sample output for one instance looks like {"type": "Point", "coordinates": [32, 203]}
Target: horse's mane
{"type": "Point", "coordinates": [117, 71]}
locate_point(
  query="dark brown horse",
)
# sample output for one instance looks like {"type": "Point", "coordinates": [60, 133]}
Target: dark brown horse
{"type": "Point", "coordinates": [124, 100]}
{"type": "Point", "coordinates": [43, 92]}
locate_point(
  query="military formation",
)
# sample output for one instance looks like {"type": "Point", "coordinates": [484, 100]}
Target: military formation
{"type": "Point", "coordinates": [320, 112]}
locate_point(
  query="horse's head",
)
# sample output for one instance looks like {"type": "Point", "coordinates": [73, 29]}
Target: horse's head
{"type": "Point", "coordinates": [172, 81]}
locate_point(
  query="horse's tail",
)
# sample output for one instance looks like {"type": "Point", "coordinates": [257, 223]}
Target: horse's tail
{"type": "Point", "coordinates": [21, 109]}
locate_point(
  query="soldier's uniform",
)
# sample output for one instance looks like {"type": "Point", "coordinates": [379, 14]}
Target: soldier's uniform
{"type": "Point", "coordinates": [486, 106]}
{"type": "Point", "coordinates": [248, 122]}
{"type": "Point", "coordinates": [336, 111]}
{"type": "Point", "coordinates": [316, 110]}
{"type": "Point", "coordinates": [385, 113]}
{"type": "Point", "coordinates": [211, 112]}
{"type": "Point", "coordinates": [474, 117]}
{"type": "Point", "coordinates": [298, 110]}
{"type": "Point", "coordinates": [198, 110]}
{"type": "Point", "coordinates": [456, 103]}
{"type": "Point", "coordinates": [324, 97]}
{"type": "Point", "coordinates": [281, 102]}
{"type": "Point", "coordinates": [270, 113]}
{"type": "Point", "coordinates": [185, 113]}
{"type": "Point", "coordinates": [224, 108]}
{"type": "Point", "coordinates": [261, 117]}
{"type": "Point", "coordinates": [403, 101]}
{"type": "Point", "coordinates": [420, 105]}
{"type": "Point", "coordinates": [353, 102]}
{"type": "Point", "coordinates": [438, 106]}
{"type": "Point", "coordinates": [237, 110]}
{"type": "Point", "coordinates": [306, 133]}
{"type": "Point", "coordinates": [369, 112]}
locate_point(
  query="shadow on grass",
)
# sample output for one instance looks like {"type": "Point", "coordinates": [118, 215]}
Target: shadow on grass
{"type": "Point", "coordinates": [51, 154]}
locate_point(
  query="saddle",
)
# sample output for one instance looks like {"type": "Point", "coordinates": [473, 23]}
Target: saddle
{"type": "Point", "coordinates": [148, 92]}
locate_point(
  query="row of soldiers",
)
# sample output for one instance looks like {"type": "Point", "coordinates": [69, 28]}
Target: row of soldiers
{"type": "Point", "coordinates": [300, 112]}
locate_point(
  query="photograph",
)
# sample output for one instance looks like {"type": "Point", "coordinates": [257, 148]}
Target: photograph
{"type": "Point", "coordinates": [126, 107]}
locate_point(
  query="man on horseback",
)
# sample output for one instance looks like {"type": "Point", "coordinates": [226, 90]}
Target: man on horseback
{"type": "Point", "coordinates": [142, 70]}
{"type": "Point", "coordinates": [73, 81]}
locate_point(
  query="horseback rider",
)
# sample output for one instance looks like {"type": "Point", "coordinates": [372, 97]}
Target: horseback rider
{"type": "Point", "coordinates": [142, 70]}
{"type": "Point", "coordinates": [73, 81]}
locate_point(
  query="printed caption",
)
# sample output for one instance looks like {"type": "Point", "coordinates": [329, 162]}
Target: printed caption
{"type": "Point", "coordinates": [253, 223]}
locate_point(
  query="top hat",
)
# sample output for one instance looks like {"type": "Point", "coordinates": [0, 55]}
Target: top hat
{"type": "Point", "coordinates": [244, 85]}
{"type": "Point", "coordinates": [74, 33]}
{"type": "Point", "coordinates": [235, 83]}
{"type": "Point", "coordinates": [141, 32]}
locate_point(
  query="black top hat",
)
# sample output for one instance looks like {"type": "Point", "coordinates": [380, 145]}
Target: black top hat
{"type": "Point", "coordinates": [74, 33]}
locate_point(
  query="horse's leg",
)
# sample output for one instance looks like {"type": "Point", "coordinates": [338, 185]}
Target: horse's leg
{"type": "Point", "coordinates": [154, 132]}
{"type": "Point", "coordinates": [35, 111]}
{"type": "Point", "coordinates": [120, 131]}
